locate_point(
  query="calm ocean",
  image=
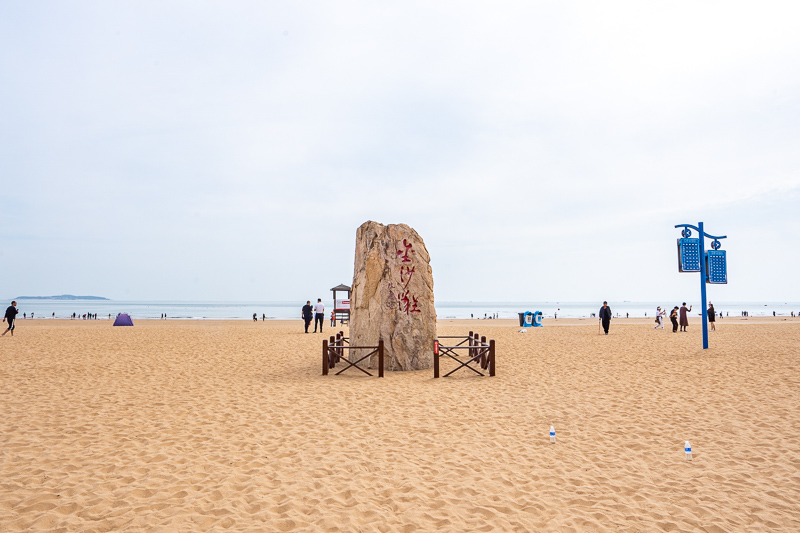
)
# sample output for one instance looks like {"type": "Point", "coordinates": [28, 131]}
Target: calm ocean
{"type": "Point", "coordinates": [289, 310]}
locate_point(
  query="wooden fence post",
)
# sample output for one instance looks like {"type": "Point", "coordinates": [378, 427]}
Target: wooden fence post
{"type": "Point", "coordinates": [435, 359]}
{"type": "Point", "coordinates": [491, 357]}
{"type": "Point", "coordinates": [324, 358]}
{"type": "Point", "coordinates": [484, 358]}
{"type": "Point", "coordinates": [380, 358]}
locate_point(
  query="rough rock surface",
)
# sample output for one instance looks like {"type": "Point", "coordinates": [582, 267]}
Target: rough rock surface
{"type": "Point", "coordinates": [392, 296]}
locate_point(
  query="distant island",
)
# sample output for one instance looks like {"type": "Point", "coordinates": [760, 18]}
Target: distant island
{"type": "Point", "coordinates": [61, 297]}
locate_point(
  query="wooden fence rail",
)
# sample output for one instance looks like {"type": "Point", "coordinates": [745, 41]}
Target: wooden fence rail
{"type": "Point", "coordinates": [477, 349]}
{"type": "Point", "coordinates": [333, 351]}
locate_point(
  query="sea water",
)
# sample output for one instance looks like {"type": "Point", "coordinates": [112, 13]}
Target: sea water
{"type": "Point", "coordinates": [210, 310]}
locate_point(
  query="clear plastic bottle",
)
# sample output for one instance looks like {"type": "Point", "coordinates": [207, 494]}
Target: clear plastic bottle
{"type": "Point", "coordinates": [687, 448]}
{"type": "Point", "coordinates": [552, 435]}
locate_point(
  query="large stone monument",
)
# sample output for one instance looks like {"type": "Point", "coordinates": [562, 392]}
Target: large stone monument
{"type": "Point", "coordinates": [392, 296]}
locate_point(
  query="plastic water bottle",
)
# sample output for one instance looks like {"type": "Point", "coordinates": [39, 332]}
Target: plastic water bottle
{"type": "Point", "coordinates": [688, 449]}
{"type": "Point", "coordinates": [553, 435]}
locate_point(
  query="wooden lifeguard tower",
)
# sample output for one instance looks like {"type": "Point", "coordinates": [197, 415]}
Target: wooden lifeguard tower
{"type": "Point", "coordinates": [341, 306]}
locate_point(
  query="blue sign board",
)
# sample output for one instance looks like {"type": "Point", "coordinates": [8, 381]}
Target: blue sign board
{"type": "Point", "coordinates": [716, 267]}
{"type": "Point", "coordinates": [688, 255]}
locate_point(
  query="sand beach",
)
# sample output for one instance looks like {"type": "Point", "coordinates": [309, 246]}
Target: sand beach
{"type": "Point", "coordinates": [230, 426]}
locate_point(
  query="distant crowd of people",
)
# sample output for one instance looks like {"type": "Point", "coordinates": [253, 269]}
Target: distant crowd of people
{"type": "Point", "coordinates": [73, 316]}
{"type": "Point", "coordinates": [678, 316]}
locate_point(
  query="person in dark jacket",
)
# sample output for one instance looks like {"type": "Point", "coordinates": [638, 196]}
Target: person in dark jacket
{"type": "Point", "coordinates": [605, 316]}
{"type": "Point", "coordinates": [308, 314]}
{"type": "Point", "coordinates": [673, 317]}
{"type": "Point", "coordinates": [712, 317]}
{"type": "Point", "coordinates": [10, 316]}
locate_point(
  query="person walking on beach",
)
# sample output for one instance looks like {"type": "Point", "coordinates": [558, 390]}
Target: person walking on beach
{"type": "Point", "coordinates": [319, 315]}
{"type": "Point", "coordinates": [673, 317]}
{"type": "Point", "coordinates": [605, 316]}
{"type": "Point", "coordinates": [307, 314]}
{"type": "Point", "coordinates": [684, 321]}
{"type": "Point", "coordinates": [255, 317]}
{"type": "Point", "coordinates": [10, 316]}
{"type": "Point", "coordinates": [660, 314]}
{"type": "Point", "coordinates": [712, 316]}
{"type": "Point", "coordinates": [333, 319]}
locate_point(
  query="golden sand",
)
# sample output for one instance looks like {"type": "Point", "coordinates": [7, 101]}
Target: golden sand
{"type": "Point", "coordinates": [214, 426]}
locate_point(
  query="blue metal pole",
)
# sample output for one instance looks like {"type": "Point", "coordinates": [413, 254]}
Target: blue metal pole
{"type": "Point", "coordinates": [703, 285]}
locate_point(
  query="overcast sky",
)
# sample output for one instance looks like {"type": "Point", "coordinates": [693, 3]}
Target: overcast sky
{"type": "Point", "coordinates": [543, 150]}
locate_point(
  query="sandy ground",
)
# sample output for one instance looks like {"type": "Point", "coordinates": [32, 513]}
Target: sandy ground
{"type": "Point", "coordinates": [214, 426]}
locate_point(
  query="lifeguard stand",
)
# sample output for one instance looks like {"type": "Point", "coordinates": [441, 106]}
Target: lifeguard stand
{"type": "Point", "coordinates": [341, 306]}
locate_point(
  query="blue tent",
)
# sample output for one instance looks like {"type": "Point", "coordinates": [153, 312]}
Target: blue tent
{"type": "Point", "coordinates": [123, 320]}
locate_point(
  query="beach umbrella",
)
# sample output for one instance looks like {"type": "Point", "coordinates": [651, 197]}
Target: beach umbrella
{"type": "Point", "coordinates": [123, 320]}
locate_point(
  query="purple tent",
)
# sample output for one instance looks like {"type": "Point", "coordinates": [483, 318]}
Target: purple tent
{"type": "Point", "coordinates": [123, 320]}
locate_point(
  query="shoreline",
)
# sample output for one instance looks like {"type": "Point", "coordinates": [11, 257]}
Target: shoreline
{"type": "Point", "coordinates": [455, 311]}
{"type": "Point", "coordinates": [506, 322]}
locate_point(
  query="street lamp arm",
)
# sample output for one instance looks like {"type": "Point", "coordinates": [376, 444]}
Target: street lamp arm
{"type": "Point", "coordinates": [698, 231]}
